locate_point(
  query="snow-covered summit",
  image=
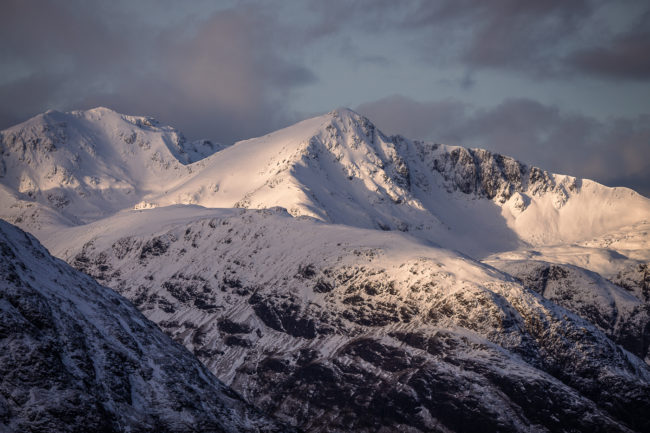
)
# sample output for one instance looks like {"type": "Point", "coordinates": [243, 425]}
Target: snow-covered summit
{"type": "Point", "coordinates": [340, 168]}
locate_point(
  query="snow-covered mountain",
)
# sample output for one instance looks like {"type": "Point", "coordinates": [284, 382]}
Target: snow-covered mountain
{"type": "Point", "coordinates": [338, 168]}
{"type": "Point", "coordinates": [335, 328]}
{"type": "Point", "coordinates": [70, 168]}
{"type": "Point", "coordinates": [346, 280]}
{"type": "Point", "coordinates": [76, 356]}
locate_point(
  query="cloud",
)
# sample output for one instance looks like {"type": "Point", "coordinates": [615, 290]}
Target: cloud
{"type": "Point", "coordinates": [553, 39]}
{"type": "Point", "coordinates": [615, 151]}
{"type": "Point", "coordinates": [625, 56]}
{"type": "Point", "coordinates": [231, 72]}
{"type": "Point", "coordinates": [505, 34]}
{"type": "Point", "coordinates": [218, 74]}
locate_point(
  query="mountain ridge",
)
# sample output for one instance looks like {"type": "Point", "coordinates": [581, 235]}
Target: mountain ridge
{"type": "Point", "coordinates": [294, 312]}
{"type": "Point", "coordinates": [340, 168]}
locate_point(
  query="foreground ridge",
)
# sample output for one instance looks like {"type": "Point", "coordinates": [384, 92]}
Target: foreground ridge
{"type": "Point", "coordinates": [75, 356]}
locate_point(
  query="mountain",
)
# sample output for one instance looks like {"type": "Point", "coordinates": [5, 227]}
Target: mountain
{"type": "Point", "coordinates": [76, 356]}
{"type": "Point", "coordinates": [338, 168]}
{"type": "Point", "coordinates": [342, 279]}
{"type": "Point", "coordinates": [60, 169]}
{"type": "Point", "coordinates": [335, 328]}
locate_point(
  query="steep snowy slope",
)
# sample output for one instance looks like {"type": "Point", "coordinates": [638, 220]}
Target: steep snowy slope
{"type": "Point", "coordinates": [70, 168]}
{"type": "Point", "coordinates": [340, 168]}
{"type": "Point", "coordinates": [77, 357]}
{"type": "Point", "coordinates": [335, 328]}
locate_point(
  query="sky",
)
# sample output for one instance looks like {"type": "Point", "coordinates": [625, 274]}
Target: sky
{"type": "Point", "coordinates": [564, 85]}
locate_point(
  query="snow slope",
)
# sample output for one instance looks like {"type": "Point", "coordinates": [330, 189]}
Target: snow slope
{"type": "Point", "coordinates": [75, 356]}
{"type": "Point", "coordinates": [70, 168]}
{"type": "Point", "coordinates": [333, 328]}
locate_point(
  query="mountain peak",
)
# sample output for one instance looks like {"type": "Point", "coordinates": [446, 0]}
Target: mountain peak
{"type": "Point", "coordinates": [86, 164]}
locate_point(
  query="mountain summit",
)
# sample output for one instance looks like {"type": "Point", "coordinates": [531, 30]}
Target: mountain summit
{"type": "Point", "coordinates": [73, 168]}
{"type": "Point", "coordinates": [61, 170]}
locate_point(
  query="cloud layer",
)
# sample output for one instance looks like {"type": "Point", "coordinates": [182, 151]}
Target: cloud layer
{"type": "Point", "coordinates": [219, 76]}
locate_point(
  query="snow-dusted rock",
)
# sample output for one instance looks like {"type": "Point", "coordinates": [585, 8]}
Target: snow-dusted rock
{"type": "Point", "coordinates": [76, 356]}
{"type": "Point", "coordinates": [334, 328]}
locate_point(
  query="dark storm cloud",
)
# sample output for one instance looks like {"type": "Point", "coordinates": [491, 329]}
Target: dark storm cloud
{"type": "Point", "coordinates": [219, 76]}
{"type": "Point", "coordinates": [225, 79]}
{"type": "Point", "coordinates": [615, 152]}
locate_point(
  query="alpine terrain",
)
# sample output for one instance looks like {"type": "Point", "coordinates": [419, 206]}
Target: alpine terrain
{"type": "Point", "coordinates": [76, 356]}
{"type": "Point", "coordinates": [340, 279]}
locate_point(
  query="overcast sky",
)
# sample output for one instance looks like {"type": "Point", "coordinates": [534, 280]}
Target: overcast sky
{"type": "Point", "coordinates": [561, 84]}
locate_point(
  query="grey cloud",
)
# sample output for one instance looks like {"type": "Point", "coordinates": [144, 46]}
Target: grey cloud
{"type": "Point", "coordinates": [519, 35]}
{"type": "Point", "coordinates": [625, 56]}
{"type": "Point", "coordinates": [400, 115]}
{"type": "Point", "coordinates": [615, 152]}
{"type": "Point", "coordinates": [28, 94]}
{"type": "Point", "coordinates": [540, 39]}
{"type": "Point", "coordinates": [509, 34]}
{"type": "Point", "coordinates": [219, 76]}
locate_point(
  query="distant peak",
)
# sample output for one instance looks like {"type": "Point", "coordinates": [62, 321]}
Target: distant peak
{"type": "Point", "coordinates": [102, 109]}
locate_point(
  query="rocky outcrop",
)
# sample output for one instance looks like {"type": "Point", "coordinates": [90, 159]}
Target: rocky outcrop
{"type": "Point", "coordinates": [618, 310]}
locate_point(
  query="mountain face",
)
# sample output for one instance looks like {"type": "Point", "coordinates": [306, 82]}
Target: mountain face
{"type": "Point", "coordinates": [75, 356]}
{"type": "Point", "coordinates": [334, 328]}
{"type": "Point", "coordinates": [345, 280]}
{"type": "Point", "coordinates": [69, 168]}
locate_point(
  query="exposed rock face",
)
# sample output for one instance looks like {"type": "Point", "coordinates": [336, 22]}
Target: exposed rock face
{"type": "Point", "coordinates": [77, 357]}
{"type": "Point", "coordinates": [620, 312]}
{"type": "Point", "coordinates": [331, 334]}
{"type": "Point", "coordinates": [493, 176]}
